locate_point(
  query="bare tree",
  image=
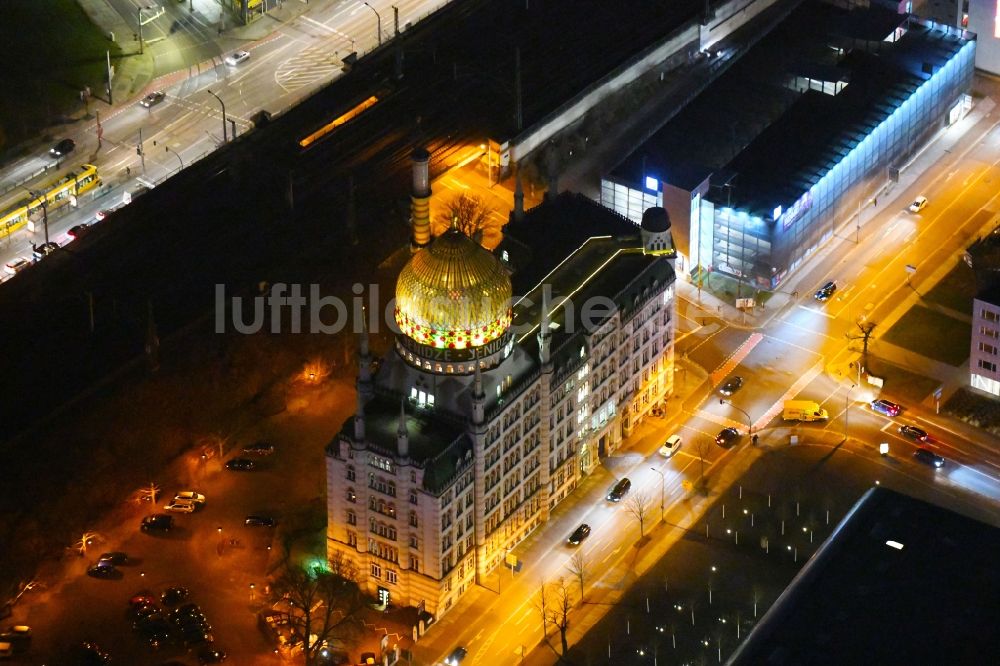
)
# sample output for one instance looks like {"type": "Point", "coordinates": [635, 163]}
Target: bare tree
{"type": "Point", "coordinates": [541, 603]}
{"type": "Point", "coordinates": [469, 213]}
{"type": "Point", "coordinates": [578, 567]}
{"type": "Point", "coordinates": [865, 328]}
{"type": "Point", "coordinates": [322, 604]}
{"type": "Point", "coordinates": [562, 604]}
{"type": "Point", "coordinates": [637, 505]}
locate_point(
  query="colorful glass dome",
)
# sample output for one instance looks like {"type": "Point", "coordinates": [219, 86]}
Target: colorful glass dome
{"type": "Point", "coordinates": [453, 295]}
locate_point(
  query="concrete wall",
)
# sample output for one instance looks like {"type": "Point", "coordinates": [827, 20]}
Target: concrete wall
{"type": "Point", "coordinates": [730, 17]}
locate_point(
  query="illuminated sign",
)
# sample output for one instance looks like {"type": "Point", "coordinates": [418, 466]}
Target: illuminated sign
{"type": "Point", "coordinates": [653, 184]}
{"type": "Point", "coordinates": [777, 210]}
{"type": "Point", "coordinates": [804, 203]}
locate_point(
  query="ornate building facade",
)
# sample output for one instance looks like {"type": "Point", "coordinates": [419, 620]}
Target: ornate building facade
{"type": "Point", "coordinates": [513, 374]}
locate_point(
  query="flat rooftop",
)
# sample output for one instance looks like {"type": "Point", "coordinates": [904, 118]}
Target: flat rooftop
{"type": "Point", "coordinates": [932, 598]}
{"type": "Point", "coordinates": [774, 142]}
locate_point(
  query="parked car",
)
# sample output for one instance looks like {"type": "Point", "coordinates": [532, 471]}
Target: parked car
{"type": "Point", "coordinates": [241, 464]}
{"type": "Point", "coordinates": [259, 449]}
{"type": "Point", "coordinates": [826, 291]}
{"type": "Point", "coordinates": [671, 446]}
{"type": "Point", "coordinates": [579, 534]}
{"type": "Point", "coordinates": [63, 148]}
{"type": "Point", "coordinates": [101, 214]}
{"type": "Point", "coordinates": [15, 266]}
{"type": "Point", "coordinates": [190, 496]}
{"type": "Point", "coordinates": [731, 386]}
{"type": "Point", "coordinates": [102, 569]}
{"type": "Point", "coordinates": [886, 407]}
{"type": "Point", "coordinates": [259, 521]}
{"type": "Point", "coordinates": [115, 557]}
{"type": "Point", "coordinates": [456, 656]}
{"type": "Point", "coordinates": [913, 432]}
{"type": "Point", "coordinates": [78, 230]}
{"type": "Point", "coordinates": [181, 506]}
{"type": "Point", "coordinates": [43, 250]}
{"type": "Point", "coordinates": [619, 490]}
{"type": "Point", "coordinates": [918, 204]}
{"type": "Point", "coordinates": [237, 57]}
{"type": "Point", "coordinates": [142, 599]}
{"type": "Point", "coordinates": [727, 437]}
{"type": "Point", "coordinates": [162, 522]}
{"type": "Point", "coordinates": [153, 98]}
{"type": "Point", "coordinates": [928, 457]}
{"type": "Point", "coordinates": [16, 632]}
{"type": "Point", "coordinates": [174, 595]}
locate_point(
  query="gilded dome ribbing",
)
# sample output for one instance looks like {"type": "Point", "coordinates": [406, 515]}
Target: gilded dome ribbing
{"type": "Point", "coordinates": [453, 294]}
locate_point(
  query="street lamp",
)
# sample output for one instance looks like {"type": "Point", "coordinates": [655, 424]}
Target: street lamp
{"type": "Point", "coordinates": [225, 136]}
{"type": "Point", "coordinates": [723, 401]}
{"type": "Point", "coordinates": [663, 489]}
{"type": "Point", "coordinates": [178, 155]}
{"type": "Point", "coordinates": [847, 407]}
{"type": "Point", "coordinates": [378, 17]}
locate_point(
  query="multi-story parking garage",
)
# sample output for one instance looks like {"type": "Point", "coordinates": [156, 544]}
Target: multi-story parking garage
{"type": "Point", "coordinates": [808, 126]}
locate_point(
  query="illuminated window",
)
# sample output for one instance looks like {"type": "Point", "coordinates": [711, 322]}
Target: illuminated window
{"type": "Point", "coordinates": [376, 570]}
{"type": "Point", "coordinates": [505, 256]}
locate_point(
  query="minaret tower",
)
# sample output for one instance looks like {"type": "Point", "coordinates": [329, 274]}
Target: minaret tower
{"type": "Point", "coordinates": [420, 200]}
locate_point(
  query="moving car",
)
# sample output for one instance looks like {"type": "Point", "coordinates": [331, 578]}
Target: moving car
{"type": "Point", "coordinates": [456, 656]}
{"type": "Point", "coordinates": [913, 432]}
{"type": "Point", "coordinates": [259, 521]}
{"type": "Point", "coordinates": [918, 204]}
{"type": "Point", "coordinates": [579, 534]}
{"type": "Point", "coordinates": [190, 496]}
{"type": "Point", "coordinates": [237, 57]}
{"type": "Point", "coordinates": [259, 449]}
{"type": "Point", "coordinates": [928, 457]}
{"type": "Point", "coordinates": [671, 446]}
{"type": "Point", "coordinates": [63, 148]}
{"type": "Point", "coordinates": [826, 291]}
{"type": "Point", "coordinates": [241, 464]}
{"type": "Point", "coordinates": [115, 557]}
{"type": "Point", "coordinates": [181, 506]}
{"type": "Point", "coordinates": [15, 266]}
{"type": "Point", "coordinates": [727, 437]}
{"type": "Point", "coordinates": [152, 99]}
{"type": "Point", "coordinates": [78, 230]}
{"type": "Point", "coordinates": [157, 522]}
{"type": "Point", "coordinates": [731, 386]}
{"type": "Point", "coordinates": [43, 250]}
{"type": "Point", "coordinates": [619, 490]}
{"type": "Point", "coordinates": [886, 407]}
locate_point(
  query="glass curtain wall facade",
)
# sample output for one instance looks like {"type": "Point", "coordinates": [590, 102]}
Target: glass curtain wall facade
{"type": "Point", "coordinates": [762, 251]}
{"type": "Point", "coordinates": [629, 201]}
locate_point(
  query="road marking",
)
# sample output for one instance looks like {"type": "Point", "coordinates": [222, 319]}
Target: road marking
{"type": "Point", "coordinates": [734, 359]}
{"type": "Point", "coordinates": [816, 311]}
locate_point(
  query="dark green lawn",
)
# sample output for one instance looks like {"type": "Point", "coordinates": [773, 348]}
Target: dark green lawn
{"type": "Point", "coordinates": [932, 334]}
{"type": "Point", "coordinates": [52, 51]}
{"type": "Point", "coordinates": [902, 383]}
{"type": "Point", "coordinates": [955, 290]}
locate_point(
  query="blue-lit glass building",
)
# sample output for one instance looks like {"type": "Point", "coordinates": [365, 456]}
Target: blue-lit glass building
{"type": "Point", "coordinates": [808, 125]}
